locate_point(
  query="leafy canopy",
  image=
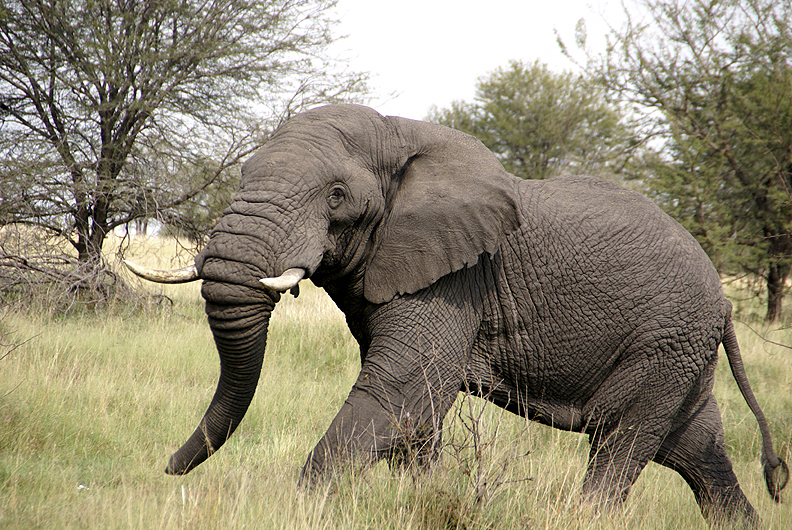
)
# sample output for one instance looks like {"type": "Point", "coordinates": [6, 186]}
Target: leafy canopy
{"type": "Point", "coordinates": [540, 123]}
{"type": "Point", "coordinates": [116, 111]}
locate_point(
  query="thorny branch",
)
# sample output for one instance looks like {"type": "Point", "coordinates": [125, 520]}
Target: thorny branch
{"type": "Point", "coordinates": [487, 471]}
{"type": "Point", "coordinates": [763, 337]}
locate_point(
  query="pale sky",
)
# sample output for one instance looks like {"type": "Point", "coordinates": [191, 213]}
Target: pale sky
{"type": "Point", "coordinates": [431, 52]}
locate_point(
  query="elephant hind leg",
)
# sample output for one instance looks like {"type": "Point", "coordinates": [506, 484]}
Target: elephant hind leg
{"type": "Point", "coordinates": [616, 458]}
{"type": "Point", "coordinates": [696, 451]}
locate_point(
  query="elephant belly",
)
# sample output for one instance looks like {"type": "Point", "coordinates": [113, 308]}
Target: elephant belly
{"type": "Point", "coordinates": [558, 414]}
{"type": "Point", "coordinates": [549, 388]}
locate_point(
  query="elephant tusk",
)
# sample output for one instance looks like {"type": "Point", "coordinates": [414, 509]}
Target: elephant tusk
{"type": "Point", "coordinates": [183, 275]}
{"type": "Point", "coordinates": [286, 281]}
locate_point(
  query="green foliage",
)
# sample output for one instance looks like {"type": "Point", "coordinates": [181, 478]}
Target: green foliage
{"type": "Point", "coordinates": [114, 112]}
{"type": "Point", "coordinates": [540, 123]}
{"type": "Point", "coordinates": [713, 81]}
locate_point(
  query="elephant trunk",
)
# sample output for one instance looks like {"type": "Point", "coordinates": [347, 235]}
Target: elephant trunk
{"type": "Point", "coordinates": [240, 334]}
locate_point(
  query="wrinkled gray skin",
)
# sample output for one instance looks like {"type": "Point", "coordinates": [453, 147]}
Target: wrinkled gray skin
{"type": "Point", "coordinates": [571, 301]}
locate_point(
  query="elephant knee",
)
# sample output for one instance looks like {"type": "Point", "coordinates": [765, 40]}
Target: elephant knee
{"type": "Point", "coordinates": [414, 446]}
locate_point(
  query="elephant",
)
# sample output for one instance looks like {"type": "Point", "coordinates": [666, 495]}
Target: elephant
{"type": "Point", "coordinates": [570, 301]}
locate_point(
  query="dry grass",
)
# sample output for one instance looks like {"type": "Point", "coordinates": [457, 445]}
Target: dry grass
{"type": "Point", "coordinates": [91, 406]}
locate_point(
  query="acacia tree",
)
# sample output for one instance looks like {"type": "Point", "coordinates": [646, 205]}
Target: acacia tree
{"type": "Point", "coordinates": [117, 110]}
{"type": "Point", "coordinates": [713, 80]}
{"type": "Point", "coordinates": [540, 123]}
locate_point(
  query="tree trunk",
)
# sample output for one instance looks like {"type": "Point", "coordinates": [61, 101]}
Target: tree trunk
{"type": "Point", "coordinates": [89, 244]}
{"type": "Point", "coordinates": [92, 229]}
{"type": "Point", "coordinates": [776, 281]}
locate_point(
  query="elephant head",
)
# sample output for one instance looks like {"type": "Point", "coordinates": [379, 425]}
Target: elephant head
{"type": "Point", "coordinates": [384, 206]}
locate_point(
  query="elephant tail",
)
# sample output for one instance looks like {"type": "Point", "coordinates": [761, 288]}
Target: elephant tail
{"type": "Point", "coordinates": [776, 471]}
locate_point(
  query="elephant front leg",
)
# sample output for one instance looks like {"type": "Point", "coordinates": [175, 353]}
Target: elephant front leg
{"type": "Point", "coordinates": [368, 428]}
{"type": "Point", "coordinates": [411, 375]}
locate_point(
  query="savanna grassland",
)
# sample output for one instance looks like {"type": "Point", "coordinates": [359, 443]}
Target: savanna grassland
{"type": "Point", "coordinates": [93, 403]}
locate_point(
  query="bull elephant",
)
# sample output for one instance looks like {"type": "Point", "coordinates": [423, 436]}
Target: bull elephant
{"type": "Point", "coordinates": [572, 302]}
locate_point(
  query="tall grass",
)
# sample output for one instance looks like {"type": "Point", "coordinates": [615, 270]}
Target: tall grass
{"type": "Point", "coordinates": [92, 405]}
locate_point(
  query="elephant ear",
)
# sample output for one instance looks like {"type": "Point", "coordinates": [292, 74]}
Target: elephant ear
{"type": "Point", "coordinates": [449, 202]}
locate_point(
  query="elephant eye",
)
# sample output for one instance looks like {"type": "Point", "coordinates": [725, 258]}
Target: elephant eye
{"type": "Point", "coordinates": [336, 197]}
